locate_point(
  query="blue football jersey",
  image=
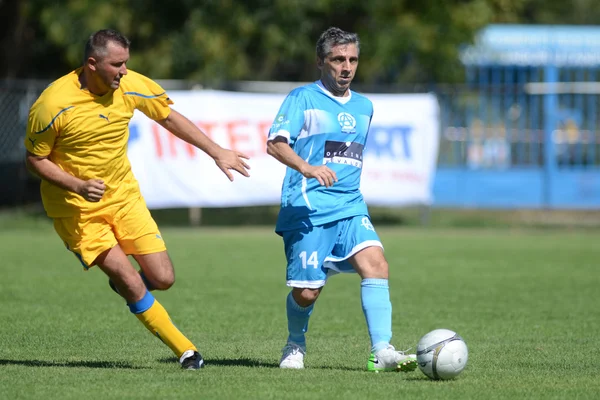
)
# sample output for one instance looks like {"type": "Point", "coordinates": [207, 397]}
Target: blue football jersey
{"type": "Point", "coordinates": [322, 129]}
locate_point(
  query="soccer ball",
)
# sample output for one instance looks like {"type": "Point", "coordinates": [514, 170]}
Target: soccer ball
{"type": "Point", "coordinates": [442, 354]}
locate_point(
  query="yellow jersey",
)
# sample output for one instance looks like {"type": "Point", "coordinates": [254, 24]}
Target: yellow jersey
{"type": "Point", "coordinates": [86, 135]}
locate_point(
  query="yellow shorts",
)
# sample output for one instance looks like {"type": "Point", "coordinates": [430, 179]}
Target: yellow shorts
{"type": "Point", "coordinates": [130, 225]}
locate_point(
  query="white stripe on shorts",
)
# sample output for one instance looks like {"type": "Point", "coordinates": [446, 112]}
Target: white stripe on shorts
{"type": "Point", "coordinates": [306, 284]}
{"type": "Point", "coordinates": [331, 261]}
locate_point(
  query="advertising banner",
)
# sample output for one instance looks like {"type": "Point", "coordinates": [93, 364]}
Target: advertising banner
{"type": "Point", "coordinates": [398, 164]}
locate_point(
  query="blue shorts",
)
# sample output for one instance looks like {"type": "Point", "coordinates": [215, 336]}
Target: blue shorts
{"type": "Point", "coordinates": [316, 252]}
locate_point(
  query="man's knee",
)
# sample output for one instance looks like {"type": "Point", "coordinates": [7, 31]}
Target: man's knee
{"type": "Point", "coordinates": [380, 268]}
{"type": "Point", "coordinates": [157, 270]}
{"type": "Point", "coordinates": [162, 280]}
{"type": "Point", "coordinates": [304, 296]}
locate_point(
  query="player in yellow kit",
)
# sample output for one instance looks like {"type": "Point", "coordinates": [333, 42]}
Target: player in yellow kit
{"type": "Point", "coordinates": [77, 144]}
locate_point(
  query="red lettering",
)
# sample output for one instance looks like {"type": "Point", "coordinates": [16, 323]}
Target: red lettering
{"type": "Point", "coordinates": [263, 128]}
{"type": "Point", "coordinates": [157, 140]}
{"type": "Point", "coordinates": [172, 140]}
{"type": "Point", "coordinates": [239, 135]}
{"type": "Point", "coordinates": [191, 150]}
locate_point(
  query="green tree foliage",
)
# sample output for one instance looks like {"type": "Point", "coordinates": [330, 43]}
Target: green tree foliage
{"type": "Point", "coordinates": [213, 41]}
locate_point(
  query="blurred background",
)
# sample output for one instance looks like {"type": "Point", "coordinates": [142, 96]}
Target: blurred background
{"type": "Point", "coordinates": [515, 83]}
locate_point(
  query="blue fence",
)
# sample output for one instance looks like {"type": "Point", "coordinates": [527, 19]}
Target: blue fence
{"type": "Point", "coordinates": [523, 131]}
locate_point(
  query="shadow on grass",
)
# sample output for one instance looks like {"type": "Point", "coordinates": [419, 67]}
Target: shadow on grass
{"type": "Point", "coordinates": [338, 368]}
{"type": "Point", "coordinates": [247, 362]}
{"type": "Point", "coordinates": [72, 364]}
{"type": "Point", "coordinates": [423, 378]}
{"type": "Point", "coordinates": [241, 362]}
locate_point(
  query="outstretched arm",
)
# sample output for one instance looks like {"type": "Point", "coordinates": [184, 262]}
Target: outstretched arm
{"type": "Point", "coordinates": [281, 150]}
{"type": "Point", "coordinates": [225, 159]}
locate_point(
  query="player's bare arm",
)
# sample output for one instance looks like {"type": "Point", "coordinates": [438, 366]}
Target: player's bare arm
{"type": "Point", "coordinates": [225, 159]}
{"type": "Point", "coordinates": [281, 150]}
{"type": "Point", "coordinates": [91, 190]}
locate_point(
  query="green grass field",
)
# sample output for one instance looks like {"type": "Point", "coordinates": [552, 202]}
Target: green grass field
{"type": "Point", "coordinates": [526, 302]}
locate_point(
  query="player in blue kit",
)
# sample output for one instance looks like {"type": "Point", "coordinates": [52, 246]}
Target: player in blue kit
{"type": "Point", "coordinates": [319, 134]}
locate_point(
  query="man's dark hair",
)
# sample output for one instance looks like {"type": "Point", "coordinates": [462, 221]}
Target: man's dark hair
{"type": "Point", "coordinates": [333, 37]}
{"type": "Point", "coordinates": [97, 43]}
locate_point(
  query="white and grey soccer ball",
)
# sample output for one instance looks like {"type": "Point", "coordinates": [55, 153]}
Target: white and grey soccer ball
{"type": "Point", "coordinates": [442, 354]}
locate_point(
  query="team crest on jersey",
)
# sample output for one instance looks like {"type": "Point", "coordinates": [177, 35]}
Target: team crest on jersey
{"type": "Point", "coordinates": [347, 122]}
{"type": "Point", "coordinates": [366, 223]}
{"type": "Point", "coordinates": [280, 120]}
{"type": "Point", "coordinates": [348, 153]}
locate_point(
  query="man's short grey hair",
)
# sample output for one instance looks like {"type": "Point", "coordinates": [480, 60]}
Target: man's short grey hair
{"type": "Point", "coordinates": [98, 41]}
{"type": "Point", "coordinates": [334, 37]}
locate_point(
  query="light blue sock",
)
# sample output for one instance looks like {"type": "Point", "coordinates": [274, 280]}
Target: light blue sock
{"type": "Point", "coordinates": [297, 321]}
{"type": "Point", "coordinates": [375, 298]}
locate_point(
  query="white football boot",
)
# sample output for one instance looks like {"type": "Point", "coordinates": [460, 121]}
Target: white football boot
{"type": "Point", "coordinates": [293, 356]}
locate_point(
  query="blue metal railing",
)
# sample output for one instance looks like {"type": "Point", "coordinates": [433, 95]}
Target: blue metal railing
{"type": "Point", "coordinates": [507, 122]}
{"type": "Point", "coordinates": [520, 137]}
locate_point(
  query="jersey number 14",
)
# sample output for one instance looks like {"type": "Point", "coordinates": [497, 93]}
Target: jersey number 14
{"type": "Point", "coordinates": [312, 260]}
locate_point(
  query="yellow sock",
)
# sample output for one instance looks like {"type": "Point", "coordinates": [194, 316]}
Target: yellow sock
{"type": "Point", "coordinates": [156, 320]}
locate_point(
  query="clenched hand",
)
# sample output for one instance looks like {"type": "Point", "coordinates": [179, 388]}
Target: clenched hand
{"type": "Point", "coordinates": [92, 190]}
